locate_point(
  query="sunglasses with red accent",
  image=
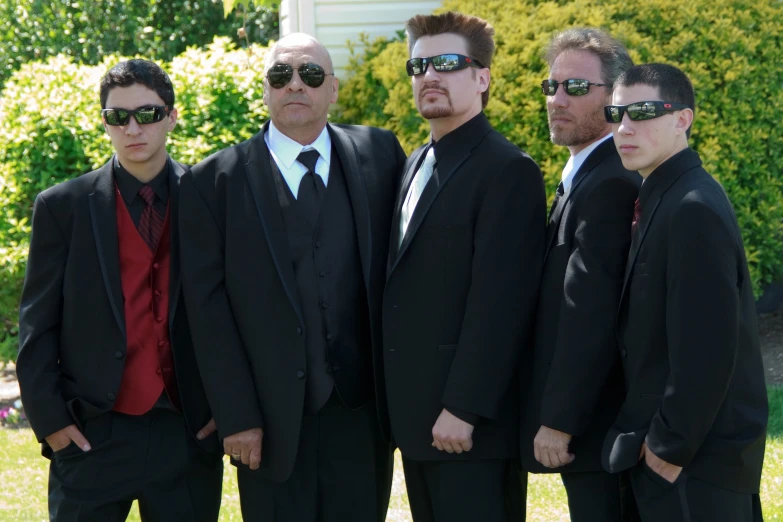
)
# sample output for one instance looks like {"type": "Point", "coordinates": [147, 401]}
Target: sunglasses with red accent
{"type": "Point", "coordinates": [646, 110]}
{"type": "Point", "coordinates": [441, 63]}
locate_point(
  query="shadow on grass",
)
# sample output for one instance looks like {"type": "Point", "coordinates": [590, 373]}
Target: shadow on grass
{"type": "Point", "coordinates": [775, 426]}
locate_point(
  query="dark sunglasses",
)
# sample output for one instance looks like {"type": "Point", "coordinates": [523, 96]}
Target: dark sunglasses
{"type": "Point", "coordinates": [646, 110]}
{"type": "Point", "coordinates": [573, 87]}
{"type": "Point", "coordinates": [441, 63]}
{"type": "Point", "coordinates": [312, 75]}
{"type": "Point", "coordinates": [143, 116]}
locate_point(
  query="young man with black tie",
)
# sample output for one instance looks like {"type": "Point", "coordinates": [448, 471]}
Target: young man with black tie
{"type": "Point", "coordinates": [573, 385]}
{"type": "Point", "coordinates": [693, 426]}
{"type": "Point", "coordinates": [466, 251]}
{"type": "Point", "coordinates": [285, 247]}
{"type": "Point", "coordinates": [106, 365]}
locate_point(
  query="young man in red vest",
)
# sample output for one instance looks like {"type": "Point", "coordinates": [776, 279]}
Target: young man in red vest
{"type": "Point", "coordinates": [106, 365]}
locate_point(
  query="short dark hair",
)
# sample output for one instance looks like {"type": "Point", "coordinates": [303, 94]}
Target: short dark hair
{"type": "Point", "coordinates": [672, 84]}
{"type": "Point", "coordinates": [131, 72]}
{"type": "Point", "coordinates": [613, 55]}
{"type": "Point", "coordinates": [478, 34]}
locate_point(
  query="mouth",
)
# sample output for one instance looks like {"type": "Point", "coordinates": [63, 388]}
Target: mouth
{"type": "Point", "coordinates": [135, 146]}
{"type": "Point", "coordinates": [625, 149]}
{"type": "Point", "coordinates": [559, 118]}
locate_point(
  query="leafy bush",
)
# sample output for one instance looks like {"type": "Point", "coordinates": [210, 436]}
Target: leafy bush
{"type": "Point", "coordinates": [731, 49]}
{"type": "Point", "coordinates": [88, 30]}
{"type": "Point", "coordinates": [50, 131]}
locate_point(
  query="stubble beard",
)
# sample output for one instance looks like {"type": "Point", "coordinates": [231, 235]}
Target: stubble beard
{"type": "Point", "coordinates": [436, 111]}
{"type": "Point", "coordinates": [586, 130]}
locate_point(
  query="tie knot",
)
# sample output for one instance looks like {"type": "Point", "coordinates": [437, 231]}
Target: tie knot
{"type": "Point", "coordinates": [147, 194]}
{"type": "Point", "coordinates": [637, 206]}
{"type": "Point", "coordinates": [309, 158]}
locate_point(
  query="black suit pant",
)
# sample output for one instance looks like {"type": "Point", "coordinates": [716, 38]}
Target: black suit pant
{"type": "Point", "coordinates": [342, 473]}
{"type": "Point", "coordinates": [465, 490]}
{"type": "Point", "coordinates": [689, 499]}
{"type": "Point", "coordinates": [598, 496]}
{"type": "Point", "coordinates": [151, 458]}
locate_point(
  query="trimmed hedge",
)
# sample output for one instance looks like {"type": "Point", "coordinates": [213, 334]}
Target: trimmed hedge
{"type": "Point", "coordinates": [50, 131]}
{"type": "Point", "coordinates": [731, 49]}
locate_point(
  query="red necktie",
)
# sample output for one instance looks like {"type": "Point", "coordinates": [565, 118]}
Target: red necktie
{"type": "Point", "coordinates": [151, 222]}
{"type": "Point", "coordinates": [637, 212]}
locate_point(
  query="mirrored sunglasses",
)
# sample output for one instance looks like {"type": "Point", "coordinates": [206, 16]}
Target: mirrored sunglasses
{"type": "Point", "coordinates": [441, 63]}
{"type": "Point", "coordinates": [646, 110]}
{"type": "Point", "coordinates": [143, 116]}
{"type": "Point", "coordinates": [573, 86]}
{"type": "Point", "coordinates": [280, 74]}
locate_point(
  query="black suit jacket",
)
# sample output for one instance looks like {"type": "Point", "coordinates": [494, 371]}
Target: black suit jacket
{"type": "Point", "coordinates": [688, 335]}
{"type": "Point", "coordinates": [71, 320]}
{"type": "Point", "coordinates": [461, 292]}
{"type": "Point", "coordinates": [575, 384]}
{"type": "Point", "coordinates": [240, 286]}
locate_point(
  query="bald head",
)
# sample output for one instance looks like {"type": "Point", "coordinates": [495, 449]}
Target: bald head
{"type": "Point", "coordinates": [295, 44]}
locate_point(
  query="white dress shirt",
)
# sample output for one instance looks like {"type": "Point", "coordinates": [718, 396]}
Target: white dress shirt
{"type": "Point", "coordinates": [575, 162]}
{"type": "Point", "coordinates": [284, 151]}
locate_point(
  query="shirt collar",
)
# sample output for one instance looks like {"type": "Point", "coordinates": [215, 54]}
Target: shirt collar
{"type": "Point", "coordinates": [575, 162]}
{"type": "Point", "coordinates": [129, 185]}
{"type": "Point", "coordinates": [286, 150]}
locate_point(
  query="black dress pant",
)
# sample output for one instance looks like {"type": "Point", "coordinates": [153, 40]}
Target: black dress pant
{"type": "Point", "coordinates": [464, 490]}
{"type": "Point", "coordinates": [598, 496]}
{"type": "Point", "coordinates": [689, 499]}
{"type": "Point", "coordinates": [342, 473]}
{"type": "Point", "coordinates": [151, 458]}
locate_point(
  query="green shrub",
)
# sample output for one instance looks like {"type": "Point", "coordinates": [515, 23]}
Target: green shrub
{"type": "Point", "coordinates": [50, 131]}
{"type": "Point", "coordinates": [88, 30]}
{"type": "Point", "coordinates": [731, 49]}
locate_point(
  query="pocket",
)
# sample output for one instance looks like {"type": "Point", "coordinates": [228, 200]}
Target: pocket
{"type": "Point", "coordinates": [658, 479]}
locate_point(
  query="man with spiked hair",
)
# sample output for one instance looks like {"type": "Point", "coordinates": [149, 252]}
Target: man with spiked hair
{"type": "Point", "coordinates": [465, 259]}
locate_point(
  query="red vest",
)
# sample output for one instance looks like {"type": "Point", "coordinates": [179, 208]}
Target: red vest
{"type": "Point", "coordinates": [149, 364]}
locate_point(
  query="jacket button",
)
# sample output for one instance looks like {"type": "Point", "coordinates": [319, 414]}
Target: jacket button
{"type": "Point", "coordinates": [160, 319]}
{"type": "Point", "coordinates": [300, 374]}
{"type": "Point", "coordinates": [318, 244]}
{"type": "Point", "coordinates": [624, 353]}
{"type": "Point", "coordinates": [118, 354]}
{"type": "Point", "coordinates": [324, 305]}
{"type": "Point", "coordinates": [159, 371]}
{"type": "Point", "coordinates": [329, 337]}
{"type": "Point", "coordinates": [111, 396]}
{"type": "Point", "coordinates": [322, 274]}
{"type": "Point", "coordinates": [299, 330]}
{"type": "Point", "coordinates": [156, 266]}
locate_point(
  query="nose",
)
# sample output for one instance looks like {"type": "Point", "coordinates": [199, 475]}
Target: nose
{"type": "Point", "coordinates": [133, 128]}
{"type": "Point", "coordinates": [430, 72]}
{"type": "Point", "coordinates": [296, 83]}
{"type": "Point", "coordinates": [560, 98]}
{"type": "Point", "coordinates": [625, 126]}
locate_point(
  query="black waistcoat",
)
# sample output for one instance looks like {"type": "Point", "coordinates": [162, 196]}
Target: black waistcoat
{"type": "Point", "coordinates": [331, 293]}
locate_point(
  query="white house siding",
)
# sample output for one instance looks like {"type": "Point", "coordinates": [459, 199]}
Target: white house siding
{"type": "Point", "coordinates": [335, 22]}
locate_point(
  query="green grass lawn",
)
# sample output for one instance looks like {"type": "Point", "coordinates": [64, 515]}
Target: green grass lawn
{"type": "Point", "coordinates": [23, 477]}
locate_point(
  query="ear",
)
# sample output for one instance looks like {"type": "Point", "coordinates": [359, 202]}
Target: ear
{"type": "Point", "coordinates": [334, 87]}
{"type": "Point", "coordinates": [172, 119]}
{"type": "Point", "coordinates": [684, 121]}
{"type": "Point", "coordinates": [484, 78]}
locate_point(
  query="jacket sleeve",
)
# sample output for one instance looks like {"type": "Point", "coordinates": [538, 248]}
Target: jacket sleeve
{"type": "Point", "coordinates": [508, 253]}
{"type": "Point", "coordinates": [586, 349]}
{"type": "Point", "coordinates": [220, 354]}
{"type": "Point", "coordinates": [40, 314]}
{"type": "Point", "coordinates": [702, 329]}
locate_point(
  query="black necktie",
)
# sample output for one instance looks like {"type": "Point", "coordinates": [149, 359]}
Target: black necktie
{"type": "Point", "coordinates": [151, 222]}
{"type": "Point", "coordinates": [637, 213]}
{"type": "Point", "coordinates": [558, 195]}
{"type": "Point", "coordinates": [311, 187]}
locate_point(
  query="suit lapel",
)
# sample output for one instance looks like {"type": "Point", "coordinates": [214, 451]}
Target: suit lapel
{"type": "Point", "coordinates": [394, 237]}
{"type": "Point", "coordinates": [355, 180]}
{"type": "Point", "coordinates": [176, 171]}
{"type": "Point", "coordinates": [103, 214]}
{"type": "Point", "coordinates": [258, 171]}
{"type": "Point", "coordinates": [593, 160]}
{"type": "Point", "coordinates": [445, 168]}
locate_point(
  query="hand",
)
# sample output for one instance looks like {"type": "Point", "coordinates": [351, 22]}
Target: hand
{"type": "Point", "coordinates": [551, 448]}
{"type": "Point", "coordinates": [452, 434]}
{"type": "Point", "coordinates": [670, 472]}
{"type": "Point", "coordinates": [207, 430]}
{"type": "Point", "coordinates": [245, 447]}
{"type": "Point", "coordinates": [62, 438]}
